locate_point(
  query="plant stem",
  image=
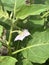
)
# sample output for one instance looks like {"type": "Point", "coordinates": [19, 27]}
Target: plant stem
{"type": "Point", "coordinates": [32, 46]}
{"type": "Point", "coordinates": [10, 35]}
{"type": "Point", "coordinates": [45, 14]}
{"type": "Point", "coordinates": [9, 41]}
{"type": "Point", "coordinates": [18, 31]}
{"type": "Point", "coordinates": [12, 23]}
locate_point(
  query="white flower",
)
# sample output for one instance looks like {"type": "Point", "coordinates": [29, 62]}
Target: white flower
{"type": "Point", "coordinates": [22, 35]}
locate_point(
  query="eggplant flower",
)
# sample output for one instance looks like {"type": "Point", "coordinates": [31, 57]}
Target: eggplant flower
{"type": "Point", "coordinates": [22, 35]}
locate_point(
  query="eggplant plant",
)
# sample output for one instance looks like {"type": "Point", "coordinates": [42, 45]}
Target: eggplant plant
{"type": "Point", "coordinates": [24, 32]}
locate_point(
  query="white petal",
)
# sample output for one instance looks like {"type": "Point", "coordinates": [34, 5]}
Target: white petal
{"type": "Point", "coordinates": [21, 36]}
{"type": "Point", "coordinates": [26, 32]}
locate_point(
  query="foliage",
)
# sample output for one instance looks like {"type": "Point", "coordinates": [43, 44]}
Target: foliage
{"type": "Point", "coordinates": [15, 16]}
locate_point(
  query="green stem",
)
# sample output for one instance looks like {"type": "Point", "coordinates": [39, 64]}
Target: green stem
{"type": "Point", "coordinates": [10, 35]}
{"type": "Point", "coordinates": [9, 41]}
{"type": "Point", "coordinates": [32, 46]}
{"type": "Point", "coordinates": [18, 31]}
{"type": "Point", "coordinates": [45, 14]}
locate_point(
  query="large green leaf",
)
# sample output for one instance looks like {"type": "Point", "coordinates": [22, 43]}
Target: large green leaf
{"type": "Point", "coordinates": [9, 4]}
{"type": "Point", "coordinates": [23, 10]}
{"type": "Point", "coordinates": [35, 9]}
{"type": "Point", "coordinates": [7, 60]}
{"type": "Point", "coordinates": [39, 44]}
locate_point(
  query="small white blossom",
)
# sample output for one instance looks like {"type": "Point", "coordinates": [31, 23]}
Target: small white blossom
{"type": "Point", "coordinates": [22, 35]}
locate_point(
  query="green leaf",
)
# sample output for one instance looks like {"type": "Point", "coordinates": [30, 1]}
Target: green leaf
{"type": "Point", "coordinates": [9, 4]}
{"type": "Point", "coordinates": [35, 9]}
{"type": "Point", "coordinates": [36, 20]}
{"type": "Point", "coordinates": [23, 10]}
{"type": "Point", "coordinates": [5, 23]}
{"type": "Point", "coordinates": [39, 1]}
{"type": "Point", "coordinates": [19, 3]}
{"type": "Point", "coordinates": [7, 60]}
{"type": "Point", "coordinates": [26, 62]}
{"type": "Point", "coordinates": [38, 52]}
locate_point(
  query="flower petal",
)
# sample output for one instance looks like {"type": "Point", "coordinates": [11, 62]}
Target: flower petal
{"type": "Point", "coordinates": [22, 35]}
